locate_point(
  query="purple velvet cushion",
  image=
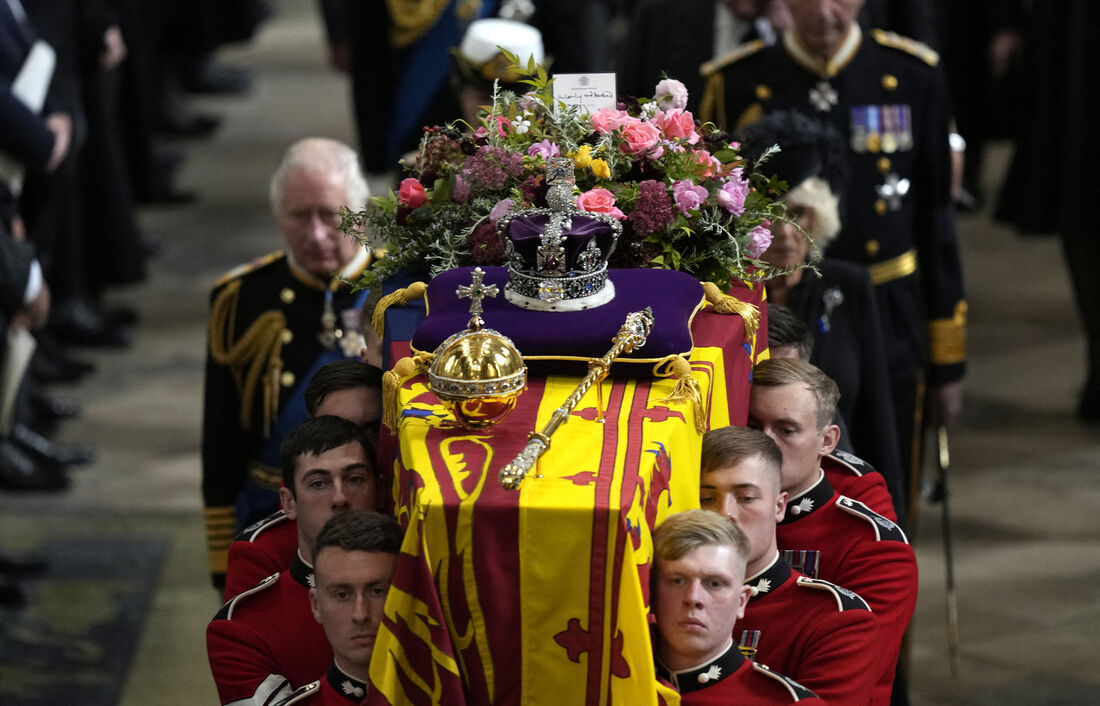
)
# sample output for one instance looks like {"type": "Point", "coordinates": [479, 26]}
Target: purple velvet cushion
{"type": "Point", "coordinates": [561, 342]}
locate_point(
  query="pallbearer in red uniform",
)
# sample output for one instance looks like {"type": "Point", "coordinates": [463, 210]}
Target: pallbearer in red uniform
{"type": "Point", "coordinates": [821, 634]}
{"type": "Point", "coordinates": [265, 642]}
{"type": "Point", "coordinates": [355, 556]}
{"type": "Point", "coordinates": [344, 388]}
{"type": "Point", "coordinates": [825, 534]}
{"type": "Point", "coordinates": [698, 596]}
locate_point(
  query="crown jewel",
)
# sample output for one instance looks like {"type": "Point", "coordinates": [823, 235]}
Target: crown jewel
{"type": "Point", "coordinates": [557, 256]}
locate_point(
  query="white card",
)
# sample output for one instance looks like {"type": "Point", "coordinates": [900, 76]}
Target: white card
{"type": "Point", "coordinates": [588, 92]}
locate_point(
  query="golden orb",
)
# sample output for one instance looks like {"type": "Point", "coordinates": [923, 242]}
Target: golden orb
{"type": "Point", "coordinates": [478, 375]}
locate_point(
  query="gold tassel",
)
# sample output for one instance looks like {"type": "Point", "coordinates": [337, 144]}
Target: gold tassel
{"type": "Point", "coordinates": [392, 380]}
{"type": "Point", "coordinates": [401, 297]}
{"type": "Point", "coordinates": [725, 304]}
{"type": "Point", "coordinates": [686, 388]}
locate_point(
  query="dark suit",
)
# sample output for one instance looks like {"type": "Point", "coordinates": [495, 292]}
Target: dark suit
{"type": "Point", "coordinates": [840, 310]}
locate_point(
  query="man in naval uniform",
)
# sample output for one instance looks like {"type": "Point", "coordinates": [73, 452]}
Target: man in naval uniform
{"type": "Point", "coordinates": [886, 94]}
{"type": "Point", "coordinates": [355, 557]}
{"type": "Point", "coordinates": [824, 534]}
{"type": "Point", "coordinates": [823, 635]}
{"type": "Point", "coordinates": [699, 593]}
{"type": "Point", "coordinates": [264, 643]}
{"type": "Point", "coordinates": [274, 323]}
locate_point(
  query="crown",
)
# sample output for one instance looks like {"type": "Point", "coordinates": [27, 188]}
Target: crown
{"type": "Point", "coordinates": [557, 256]}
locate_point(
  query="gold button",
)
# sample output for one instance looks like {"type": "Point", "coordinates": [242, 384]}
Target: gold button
{"type": "Point", "coordinates": [871, 246]}
{"type": "Point", "coordinates": [889, 82]}
{"type": "Point", "coordinates": [763, 92]}
{"type": "Point", "coordinates": [884, 164]}
{"type": "Point", "coordinates": [287, 335]}
{"type": "Point", "coordinates": [880, 207]}
{"type": "Point", "coordinates": [287, 295]}
{"type": "Point", "coordinates": [286, 379]}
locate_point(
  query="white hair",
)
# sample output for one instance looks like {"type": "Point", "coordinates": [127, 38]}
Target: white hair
{"type": "Point", "coordinates": [814, 193]}
{"type": "Point", "coordinates": [321, 154]}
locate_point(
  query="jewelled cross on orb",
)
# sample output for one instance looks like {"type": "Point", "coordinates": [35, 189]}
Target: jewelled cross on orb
{"type": "Point", "coordinates": [475, 292]}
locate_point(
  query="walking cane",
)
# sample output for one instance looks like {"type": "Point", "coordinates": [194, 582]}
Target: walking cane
{"type": "Point", "coordinates": [941, 494]}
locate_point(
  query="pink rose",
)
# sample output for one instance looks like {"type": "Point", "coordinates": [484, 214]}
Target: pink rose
{"type": "Point", "coordinates": [545, 149]}
{"type": "Point", "coordinates": [500, 210]}
{"type": "Point", "coordinates": [411, 193]}
{"type": "Point", "coordinates": [639, 138]}
{"type": "Point", "coordinates": [670, 93]}
{"type": "Point", "coordinates": [707, 161]}
{"type": "Point", "coordinates": [607, 120]}
{"type": "Point", "coordinates": [733, 192]}
{"type": "Point", "coordinates": [760, 239]}
{"type": "Point", "coordinates": [599, 201]}
{"type": "Point", "coordinates": [677, 124]}
{"type": "Point", "coordinates": [688, 196]}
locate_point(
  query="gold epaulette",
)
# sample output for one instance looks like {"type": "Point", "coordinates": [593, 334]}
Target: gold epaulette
{"type": "Point", "coordinates": [242, 270]}
{"type": "Point", "coordinates": [947, 338]}
{"type": "Point", "coordinates": [410, 19]}
{"type": "Point", "coordinates": [910, 46]}
{"type": "Point", "coordinates": [717, 64]}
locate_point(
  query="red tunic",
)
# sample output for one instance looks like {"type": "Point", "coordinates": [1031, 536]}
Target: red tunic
{"type": "Point", "coordinates": [820, 634]}
{"type": "Point", "coordinates": [732, 679]}
{"type": "Point", "coordinates": [263, 549]}
{"type": "Point", "coordinates": [860, 550]}
{"type": "Point", "coordinates": [855, 478]}
{"type": "Point", "coordinates": [335, 689]}
{"type": "Point", "coordinates": [264, 643]}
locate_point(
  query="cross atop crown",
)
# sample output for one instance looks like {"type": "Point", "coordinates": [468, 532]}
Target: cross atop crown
{"type": "Point", "coordinates": [475, 292]}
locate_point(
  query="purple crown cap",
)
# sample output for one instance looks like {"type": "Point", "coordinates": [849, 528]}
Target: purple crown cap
{"type": "Point", "coordinates": [557, 256]}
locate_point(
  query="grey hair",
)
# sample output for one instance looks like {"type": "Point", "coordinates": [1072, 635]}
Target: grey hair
{"type": "Point", "coordinates": [322, 154]}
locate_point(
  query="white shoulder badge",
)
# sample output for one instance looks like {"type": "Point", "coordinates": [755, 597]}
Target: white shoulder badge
{"type": "Point", "coordinates": [910, 46]}
{"type": "Point", "coordinates": [301, 694]}
{"type": "Point", "coordinates": [884, 529]}
{"type": "Point", "coordinates": [250, 533]}
{"type": "Point", "coordinates": [845, 599]}
{"type": "Point", "coordinates": [851, 462]}
{"type": "Point", "coordinates": [226, 612]}
{"type": "Point", "coordinates": [796, 690]}
{"type": "Point", "coordinates": [717, 64]}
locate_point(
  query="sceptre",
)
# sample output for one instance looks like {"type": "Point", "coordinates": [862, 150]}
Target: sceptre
{"type": "Point", "coordinates": [631, 336]}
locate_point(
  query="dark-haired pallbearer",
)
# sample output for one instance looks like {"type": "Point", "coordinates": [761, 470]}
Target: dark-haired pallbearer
{"type": "Point", "coordinates": [264, 643]}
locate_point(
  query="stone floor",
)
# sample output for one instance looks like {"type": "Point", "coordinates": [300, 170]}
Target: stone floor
{"type": "Point", "coordinates": [1024, 510]}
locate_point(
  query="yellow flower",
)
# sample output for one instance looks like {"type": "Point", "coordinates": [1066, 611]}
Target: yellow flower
{"type": "Point", "coordinates": [600, 168]}
{"type": "Point", "coordinates": [583, 156]}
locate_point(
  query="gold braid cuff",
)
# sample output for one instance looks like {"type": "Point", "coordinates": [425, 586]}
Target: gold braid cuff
{"type": "Point", "coordinates": [725, 304]}
{"type": "Point", "coordinates": [256, 353]}
{"type": "Point", "coordinates": [393, 379]}
{"type": "Point", "coordinates": [947, 337]}
{"type": "Point", "coordinates": [686, 389]}
{"type": "Point", "coordinates": [221, 527]}
{"type": "Point", "coordinates": [401, 297]}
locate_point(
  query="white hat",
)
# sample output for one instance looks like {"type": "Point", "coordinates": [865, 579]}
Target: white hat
{"type": "Point", "coordinates": [479, 54]}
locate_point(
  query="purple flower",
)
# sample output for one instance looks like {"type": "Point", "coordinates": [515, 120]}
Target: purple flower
{"type": "Point", "coordinates": [688, 196]}
{"type": "Point", "coordinates": [652, 209]}
{"type": "Point", "coordinates": [545, 149]}
{"type": "Point", "coordinates": [760, 239]}
{"type": "Point", "coordinates": [461, 192]}
{"type": "Point", "coordinates": [500, 210]}
{"type": "Point", "coordinates": [733, 192]}
{"type": "Point", "coordinates": [491, 167]}
{"type": "Point", "coordinates": [670, 93]}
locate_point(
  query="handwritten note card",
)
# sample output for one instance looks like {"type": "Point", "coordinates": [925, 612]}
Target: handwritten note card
{"type": "Point", "coordinates": [589, 92]}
